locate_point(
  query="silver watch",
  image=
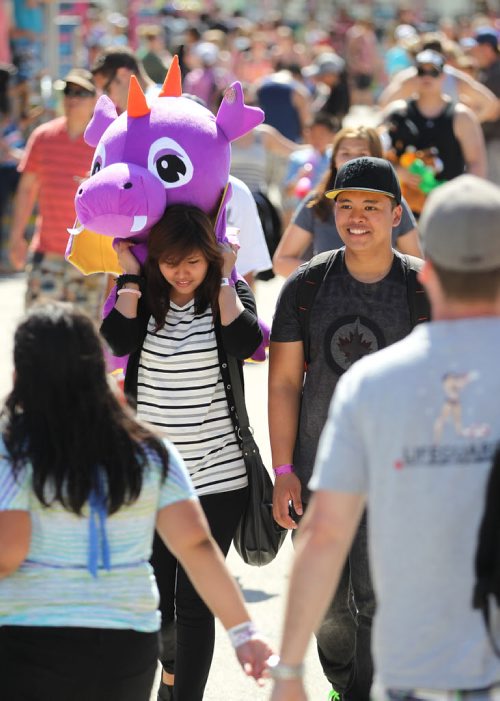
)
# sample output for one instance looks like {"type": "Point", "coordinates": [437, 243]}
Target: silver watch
{"type": "Point", "coordinates": [225, 282]}
{"type": "Point", "coordinates": [281, 671]}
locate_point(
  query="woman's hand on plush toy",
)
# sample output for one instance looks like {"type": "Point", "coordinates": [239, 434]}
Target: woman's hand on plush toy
{"type": "Point", "coordinates": [126, 258]}
{"type": "Point", "coordinates": [229, 253]}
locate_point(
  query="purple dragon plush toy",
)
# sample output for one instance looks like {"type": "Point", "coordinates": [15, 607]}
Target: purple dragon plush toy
{"type": "Point", "coordinates": [174, 151]}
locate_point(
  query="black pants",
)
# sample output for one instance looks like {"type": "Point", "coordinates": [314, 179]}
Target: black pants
{"type": "Point", "coordinates": [9, 179]}
{"type": "Point", "coordinates": [76, 664]}
{"type": "Point", "coordinates": [188, 627]}
{"type": "Point", "coordinates": [344, 637]}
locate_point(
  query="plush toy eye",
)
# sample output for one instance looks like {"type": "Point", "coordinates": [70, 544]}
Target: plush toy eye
{"type": "Point", "coordinates": [99, 161]}
{"type": "Point", "coordinates": [169, 162]}
{"type": "Point", "coordinates": [170, 168]}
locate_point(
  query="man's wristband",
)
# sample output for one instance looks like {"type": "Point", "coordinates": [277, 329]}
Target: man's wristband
{"type": "Point", "coordinates": [283, 470]}
{"type": "Point", "coordinates": [284, 672]}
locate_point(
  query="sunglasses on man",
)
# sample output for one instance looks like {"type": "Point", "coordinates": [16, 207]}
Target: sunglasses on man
{"type": "Point", "coordinates": [75, 91]}
{"type": "Point", "coordinates": [431, 72]}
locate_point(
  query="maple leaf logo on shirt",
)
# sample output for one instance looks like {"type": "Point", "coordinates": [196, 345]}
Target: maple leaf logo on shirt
{"type": "Point", "coordinates": [354, 346]}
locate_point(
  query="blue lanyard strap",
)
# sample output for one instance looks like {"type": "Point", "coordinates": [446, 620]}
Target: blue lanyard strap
{"type": "Point", "coordinates": [98, 537]}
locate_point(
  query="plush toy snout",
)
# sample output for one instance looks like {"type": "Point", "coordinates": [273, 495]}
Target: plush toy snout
{"type": "Point", "coordinates": [123, 200]}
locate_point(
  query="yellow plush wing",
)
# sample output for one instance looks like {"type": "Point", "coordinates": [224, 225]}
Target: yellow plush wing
{"type": "Point", "coordinates": [93, 253]}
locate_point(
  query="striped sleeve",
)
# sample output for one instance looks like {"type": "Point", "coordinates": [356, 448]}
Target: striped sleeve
{"type": "Point", "coordinates": [178, 485]}
{"type": "Point", "coordinates": [14, 493]}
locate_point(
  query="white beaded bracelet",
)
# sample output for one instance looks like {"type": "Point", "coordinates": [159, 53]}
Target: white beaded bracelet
{"type": "Point", "coordinates": [242, 633]}
{"type": "Point", "coordinates": [129, 291]}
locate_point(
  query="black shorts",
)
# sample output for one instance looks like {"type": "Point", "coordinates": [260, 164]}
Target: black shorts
{"type": "Point", "coordinates": [76, 664]}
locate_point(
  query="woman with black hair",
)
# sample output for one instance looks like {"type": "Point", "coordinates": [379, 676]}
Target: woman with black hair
{"type": "Point", "coordinates": [83, 484]}
{"type": "Point", "coordinates": [179, 318]}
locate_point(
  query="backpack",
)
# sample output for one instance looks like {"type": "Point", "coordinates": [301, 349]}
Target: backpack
{"type": "Point", "coordinates": [313, 273]}
{"type": "Point", "coordinates": [487, 560]}
{"type": "Point", "coordinates": [271, 225]}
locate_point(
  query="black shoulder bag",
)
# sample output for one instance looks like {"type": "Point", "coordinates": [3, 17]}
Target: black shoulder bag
{"type": "Point", "coordinates": [258, 537]}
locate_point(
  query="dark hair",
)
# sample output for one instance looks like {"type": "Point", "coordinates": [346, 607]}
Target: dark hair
{"type": "Point", "coordinates": [111, 59]}
{"type": "Point", "coordinates": [479, 286]}
{"type": "Point", "coordinates": [324, 119]}
{"type": "Point", "coordinates": [321, 205]}
{"type": "Point", "coordinates": [182, 230]}
{"type": "Point", "coordinates": [64, 418]}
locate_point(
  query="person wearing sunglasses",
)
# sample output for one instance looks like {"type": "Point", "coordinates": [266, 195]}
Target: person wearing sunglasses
{"type": "Point", "coordinates": [55, 160]}
{"type": "Point", "coordinates": [444, 134]}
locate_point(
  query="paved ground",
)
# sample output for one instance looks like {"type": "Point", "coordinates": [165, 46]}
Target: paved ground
{"type": "Point", "coordinates": [263, 588]}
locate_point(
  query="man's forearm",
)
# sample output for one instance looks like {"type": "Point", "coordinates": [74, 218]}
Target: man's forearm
{"type": "Point", "coordinates": [313, 581]}
{"type": "Point", "coordinates": [24, 202]}
{"type": "Point", "coordinates": [284, 407]}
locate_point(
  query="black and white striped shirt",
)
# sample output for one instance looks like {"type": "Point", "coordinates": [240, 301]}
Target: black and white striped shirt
{"type": "Point", "coordinates": [180, 390]}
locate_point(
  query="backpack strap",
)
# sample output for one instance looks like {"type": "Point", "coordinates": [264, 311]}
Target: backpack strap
{"type": "Point", "coordinates": [418, 302]}
{"type": "Point", "coordinates": [310, 279]}
{"type": "Point", "coordinates": [312, 274]}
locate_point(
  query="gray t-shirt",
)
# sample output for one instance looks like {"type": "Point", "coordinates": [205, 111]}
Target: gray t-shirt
{"type": "Point", "coordinates": [415, 427]}
{"type": "Point", "coordinates": [348, 320]}
{"type": "Point", "coordinates": [325, 234]}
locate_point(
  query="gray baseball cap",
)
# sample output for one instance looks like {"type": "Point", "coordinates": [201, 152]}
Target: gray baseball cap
{"type": "Point", "coordinates": [324, 64]}
{"type": "Point", "coordinates": [460, 225]}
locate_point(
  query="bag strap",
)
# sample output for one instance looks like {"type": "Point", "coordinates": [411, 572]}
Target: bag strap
{"type": "Point", "coordinates": [418, 302]}
{"type": "Point", "coordinates": [310, 280]}
{"type": "Point", "coordinates": [245, 430]}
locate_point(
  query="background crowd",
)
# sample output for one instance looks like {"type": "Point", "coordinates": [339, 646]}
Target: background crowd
{"type": "Point", "coordinates": [310, 78]}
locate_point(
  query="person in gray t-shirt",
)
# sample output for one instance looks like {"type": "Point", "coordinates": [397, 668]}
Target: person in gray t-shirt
{"type": "Point", "coordinates": [360, 307]}
{"type": "Point", "coordinates": [412, 431]}
{"type": "Point", "coordinates": [313, 229]}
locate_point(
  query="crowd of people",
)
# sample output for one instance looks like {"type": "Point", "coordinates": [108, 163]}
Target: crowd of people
{"type": "Point", "coordinates": [386, 236]}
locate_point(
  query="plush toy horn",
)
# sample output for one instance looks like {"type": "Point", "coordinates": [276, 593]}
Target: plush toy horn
{"type": "Point", "coordinates": [172, 87]}
{"type": "Point", "coordinates": [136, 104]}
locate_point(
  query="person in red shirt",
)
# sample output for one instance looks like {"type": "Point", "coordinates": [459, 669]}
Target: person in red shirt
{"type": "Point", "coordinates": [55, 160]}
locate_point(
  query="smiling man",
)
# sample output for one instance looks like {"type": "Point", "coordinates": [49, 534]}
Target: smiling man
{"type": "Point", "coordinates": [360, 306]}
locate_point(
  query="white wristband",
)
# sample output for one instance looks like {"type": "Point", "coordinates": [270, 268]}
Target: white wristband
{"type": "Point", "coordinates": [129, 291]}
{"type": "Point", "coordinates": [225, 282]}
{"type": "Point", "coordinates": [242, 633]}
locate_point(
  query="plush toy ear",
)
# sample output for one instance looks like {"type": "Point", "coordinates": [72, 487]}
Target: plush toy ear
{"type": "Point", "coordinates": [235, 118]}
{"type": "Point", "coordinates": [104, 114]}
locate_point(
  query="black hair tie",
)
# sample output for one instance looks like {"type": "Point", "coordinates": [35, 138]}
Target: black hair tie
{"type": "Point", "coordinates": [121, 280]}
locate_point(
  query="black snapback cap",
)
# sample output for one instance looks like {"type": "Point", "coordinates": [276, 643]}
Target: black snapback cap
{"type": "Point", "coordinates": [369, 175]}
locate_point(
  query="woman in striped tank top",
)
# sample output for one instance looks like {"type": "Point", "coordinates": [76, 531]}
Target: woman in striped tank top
{"type": "Point", "coordinates": [179, 318]}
